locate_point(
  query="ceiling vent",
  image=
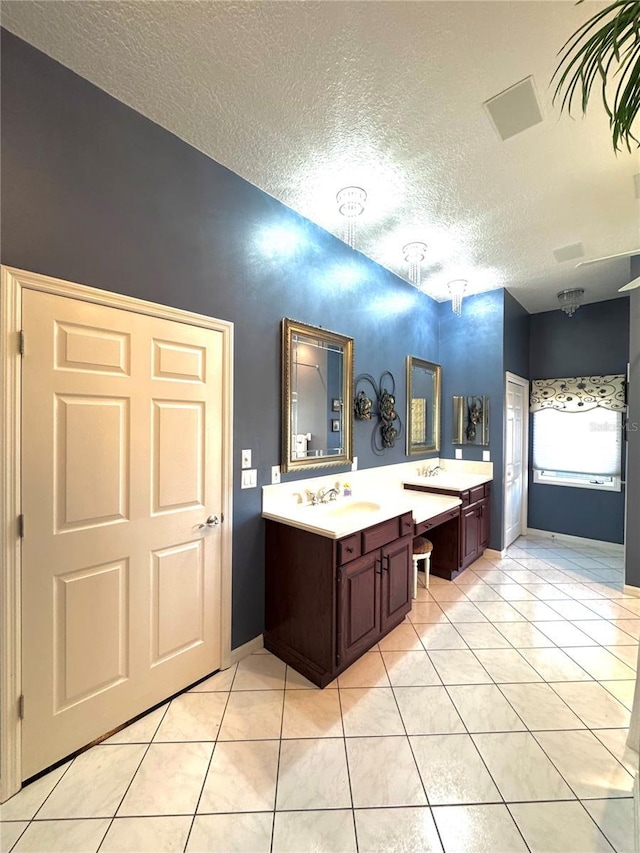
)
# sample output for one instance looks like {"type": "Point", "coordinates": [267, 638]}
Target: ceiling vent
{"type": "Point", "coordinates": [569, 253]}
{"type": "Point", "coordinates": [514, 110]}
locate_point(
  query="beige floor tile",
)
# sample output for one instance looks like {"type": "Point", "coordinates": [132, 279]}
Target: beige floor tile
{"type": "Point", "coordinates": [368, 671]}
{"type": "Point", "coordinates": [459, 667]}
{"type": "Point", "coordinates": [482, 635]}
{"type": "Point", "coordinates": [482, 592]}
{"type": "Point", "coordinates": [231, 833]}
{"type": "Point", "coordinates": [493, 577]}
{"type": "Point", "coordinates": [24, 804]}
{"type": "Point", "coordinates": [478, 829]}
{"type": "Point", "coordinates": [252, 715]}
{"type": "Point", "coordinates": [370, 712]}
{"type": "Point", "coordinates": [547, 592]}
{"type": "Point", "coordinates": [312, 713]}
{"type": "Point", "coordinates": [452, 771]}
{"type": "Point", "coordinates": [574, 610]}
{"type": "Point", "coordinates": [241, 777]}
{"type": "Point", "coordinates": [514, 592]}
{"type": "Point", "coordinates": [260, 672]}
{"type": "Point", "coordinates": [540, 707]}
{"type": "Point", "coordinates": [611, 609]}
{"type": "Point", "coordinates": [168, 781]}
{"type": "Point", "coordinates": [219, 683]}
{"type": "Point", "coordinates": [295, 681]}
{"type": "Point", "coordinates": [142, 731]}
{"type": "Point", "coordinates": [10, 833]}
{"type": "Point", "coordinates": [427, 711]}
{"type": "Point", "coordinates": [520, 768]}
{"type": "Point", "coordinates": [622, 690]}
{"type": "Point", "coordinates": [615, 819]}
{"type": "Point", "coordinates": [506, 666]}
{"type": "Point", "coordinates": [313, 775]}
{"type": "Point", "coordinates": [524, 635]}
{"type": "Point", "coordinates": [425, 612]}
{"type": "Point", "coordinates": [62, 836]}
{"type": "Point", "coordinates": [383, 772]}
{"type": "Point", "coordinates": [601, 664]}
{"type": "Point", "coordinates": [501, 611]}
{"type": "Point", "coordinates": [167, 834]}
{"type": "Point", "coordinates": [558, 828]}
{"type": "Point", "coordinates": [627, 654]}
{"type": "Point", "coordinates": [555, 665]}
{"type": "Point", "coordinates": [483, 708]}
{"type": "Point", "coordinates": [604, 633]}
{"type": "Point", "coordinates": [586, 764]}
{"type": "Point", "coordinates": [451, 592]}
{"type": "Point", "coordinates": [320, 832]}
{"type": "Point", "coordinates": [440, 636]}
{"type": "Point", "coordinates": [616, 742]}
{"type": "Point", "coordinates": [461, 611]}
{"type": "Point", "coordinates": [95, 783]}
{"type": "Point", "coordinates": [402, 638]}
{"type": "Point", "coordinates": [593, 704]}
{"type": "Point", "coordinates": [523, 575]}
{"type": "Point", "coordinates": [398, 830]}
{"type": "Point", "coordinates": [537, 611]}
{"type": "Point", "coordinates": [192, 716]}
{"type": "Point", "coordinates": [629, 626]}
{"type": "Point", "coordinates": [631, 604]}
{"type": "Point", "coordinates": [409, 668]}
{"type": "Point", "coordinates": [565, 633]}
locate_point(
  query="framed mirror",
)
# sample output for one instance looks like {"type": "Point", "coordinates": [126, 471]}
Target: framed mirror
{"type": "Point", "coordinates": [317, 389]}
{"type": "Point", "coordinates": [423, 406]}
{"type": "Point", "coordinates": [471, 420]}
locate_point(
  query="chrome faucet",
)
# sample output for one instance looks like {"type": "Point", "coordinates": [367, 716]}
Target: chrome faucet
{"type": "Point", "coordinates": [327, 494]}
{"type": "Point", "coordinates": [433, 472]}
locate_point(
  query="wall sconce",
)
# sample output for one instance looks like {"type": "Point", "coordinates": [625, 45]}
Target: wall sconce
{"type": "Point", "coordinates": [570, 300]}
{"type": "Point", "coordinates": [414, 254]}
{"type": "Point", "coordinates": [457, 290]}
{"type": "Point", "coordinates": [351, 201]}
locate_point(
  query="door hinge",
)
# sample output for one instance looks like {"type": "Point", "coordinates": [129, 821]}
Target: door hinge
{"type": "Point", "coordinates": [337, 658]}
{"type": "Point", "coordinates": [21, 341]}
{"type": "Point", "coordinates": [21, 707]}
{"type": "Point", "coordinates": [21, 526]}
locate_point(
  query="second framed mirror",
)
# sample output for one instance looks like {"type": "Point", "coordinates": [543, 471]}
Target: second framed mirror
{"type": "Point", "coordinates": [423, 406]}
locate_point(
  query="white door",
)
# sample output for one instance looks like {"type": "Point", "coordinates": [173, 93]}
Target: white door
{"type": "Point", "coordinates": [515, 464]}
{"type": "Point", "coordinates": [122, 463]}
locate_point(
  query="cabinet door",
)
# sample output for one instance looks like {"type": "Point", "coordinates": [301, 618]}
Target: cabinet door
{"type": "Point", "coordinates": [485, 525]}
{"type": "Point", "coordinates": [358, 606]}
{"type": "Point", "coordinates": [396, 581]}
{"type": "Point", "coordinates": [469, 535]}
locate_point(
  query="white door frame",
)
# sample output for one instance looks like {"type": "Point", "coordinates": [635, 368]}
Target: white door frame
{"type": "Point", "coordinates": [523, 383]}
{"type": "Point", "coordinates": [13, 283]}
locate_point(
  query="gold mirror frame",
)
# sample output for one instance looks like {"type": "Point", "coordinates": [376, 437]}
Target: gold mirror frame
{"type": "Point", "coordinates": [287, 460]}
{"type": "Point", "coordinates": [433, 411]}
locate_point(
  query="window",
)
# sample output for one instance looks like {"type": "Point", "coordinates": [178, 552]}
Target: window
{"type": "Point", "coordinates": [581, 449]}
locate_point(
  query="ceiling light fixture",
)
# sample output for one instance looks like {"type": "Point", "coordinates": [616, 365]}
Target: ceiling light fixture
{"type": "Point", "coordinates": [351, 201]}
{"type": "Point", "coordinates": [457, 290]}
{"type": "Point", "coordinates": [414, 254]}
{"type": "Point", "coordinates": [570, 300]}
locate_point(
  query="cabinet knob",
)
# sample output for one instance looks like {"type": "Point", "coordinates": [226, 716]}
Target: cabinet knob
{"type": "Point", "coordinates": [349, 550]}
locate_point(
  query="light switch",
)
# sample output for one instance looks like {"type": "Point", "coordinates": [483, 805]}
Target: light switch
{"type": "Point", "coordinates": [246, 459]}
{"type": "Point", "coordinates": [253, 477]}
{"type": "Point", "coordinates": [354, 464]}
{"type": "Point", "coordinates": [249, 479]}
{"type": "Point", "coordinates": [458, 453]}
{"type": "Point", "coordinates": [275, 474]}
{"type": "Point", "coordinates": [486, 456]}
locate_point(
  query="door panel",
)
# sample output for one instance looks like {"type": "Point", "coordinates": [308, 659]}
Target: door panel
{"type": "Point", "coordinates": [469, 526]}
{"type": "Point", "coordinates": [396, 581]}
{"type": "Point", "coordinates": [515, 469]}
{"type": "Point", "coordinates": [359, 605]}
{"type": "Point", "coordinates": [122, 460]}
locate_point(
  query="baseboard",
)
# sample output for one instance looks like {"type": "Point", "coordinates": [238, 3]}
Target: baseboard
{"type": "Point", "coordinates": [615, 547]}
{"type": "Point", "coordinates": [631, 590]}
{"type": "Point", "coordinates": [246, 649]}
{"type": "Point", "coordinates": [491, 552]}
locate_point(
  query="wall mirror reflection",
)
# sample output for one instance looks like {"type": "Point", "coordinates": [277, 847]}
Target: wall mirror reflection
{"type": "Point", "coordinates": [471, 420]}
{"type": "Point", "coordinates": [317, 387]}
{"type": "Point", "coordinates": [423, 406]}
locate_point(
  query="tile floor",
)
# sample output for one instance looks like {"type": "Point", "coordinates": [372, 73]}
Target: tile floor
{"type": "Point", "coordinates": [493, 719]}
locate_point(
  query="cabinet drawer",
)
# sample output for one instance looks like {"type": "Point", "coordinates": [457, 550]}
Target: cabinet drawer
{"type": "Point", "coordinates": [406, 524]}
{"type": "Point", "coordinates": [476, 494]}
{"type": "Point", "coordinates": [423, 526]}
{"type": "Point", "coordinates": [381, 534]}
{"type": "Point", "coordinates": [349, 548]}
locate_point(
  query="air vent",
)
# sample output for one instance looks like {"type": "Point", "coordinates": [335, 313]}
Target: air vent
{"type": "Point", "coordinates": [569, 253]}
{"type": "Point", "coordinates": [514, 110]}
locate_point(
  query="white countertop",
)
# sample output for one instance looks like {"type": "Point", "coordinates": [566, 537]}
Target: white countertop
{"type": "Point", "coordinates": [449, 481]}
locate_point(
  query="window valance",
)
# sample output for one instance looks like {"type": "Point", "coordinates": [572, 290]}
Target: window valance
{"type": "Point", "coordinates": [579, 393]}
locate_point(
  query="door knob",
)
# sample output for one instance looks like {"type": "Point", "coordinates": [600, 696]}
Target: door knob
{"type": "Point", "coordinates": [212, 521]}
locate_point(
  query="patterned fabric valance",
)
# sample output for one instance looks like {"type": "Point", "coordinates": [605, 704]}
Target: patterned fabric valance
{"type": "Point", "coordinates": [579, 393]}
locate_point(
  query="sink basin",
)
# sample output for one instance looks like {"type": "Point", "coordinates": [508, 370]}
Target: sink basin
{"type": "Point", "coordinates": [353, 508]}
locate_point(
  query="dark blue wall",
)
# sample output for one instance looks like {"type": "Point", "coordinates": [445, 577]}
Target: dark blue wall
{"type": "Point", "coordinates": [595, 341]}
{"type": "Point", "coordinates": [632, 553]}
{"type": "Point", "coordinates": [94, 193]}
{"type": "Point", "coordinates": [516, 337]}
{"type": "Point", "coordinates": [471, 354]}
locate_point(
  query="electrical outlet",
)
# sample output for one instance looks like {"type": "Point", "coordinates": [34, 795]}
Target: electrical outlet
{"type": "Point", "coordinates": [275, 474]}
{"type": "Point", "coordinates": [458, 453]}
{"type": "Point", "coordinates": [246, 459]}
{"type": "Point", "coordinates": [486, 456]}
{"type": "Point", "coordinates": [354, 464]}
{"type": "Point", "coordinates": [249, 479]}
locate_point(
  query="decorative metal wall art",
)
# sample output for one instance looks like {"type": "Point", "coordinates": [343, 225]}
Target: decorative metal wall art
{"type": "Point", "coordinates": [471, 420]}
{"type": "Point", "coordinates": [388, 420]}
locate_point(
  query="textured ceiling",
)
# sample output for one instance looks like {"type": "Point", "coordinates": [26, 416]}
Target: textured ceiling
{"type": "Point", "coordinates": [303, 98]}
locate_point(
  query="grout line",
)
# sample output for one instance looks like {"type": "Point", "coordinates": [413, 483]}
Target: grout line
{"type": "Point", "coordinates": [275, 792]}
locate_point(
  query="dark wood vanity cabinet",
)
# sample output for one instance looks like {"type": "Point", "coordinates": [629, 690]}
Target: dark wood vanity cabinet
{"type": "Point", "coordinates": [328, 601]}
